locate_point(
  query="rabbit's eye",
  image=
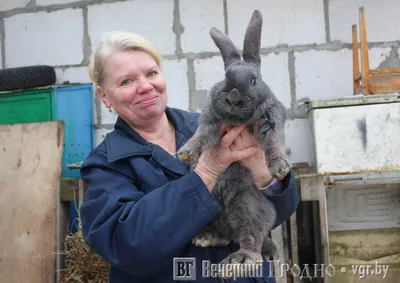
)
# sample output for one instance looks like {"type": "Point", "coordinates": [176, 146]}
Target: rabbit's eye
{"type": "Point", "coordinates": [254, 81]}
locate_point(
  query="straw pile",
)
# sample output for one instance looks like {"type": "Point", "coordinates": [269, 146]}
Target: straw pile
{"type": "Point", "coordinates": [82, 264]}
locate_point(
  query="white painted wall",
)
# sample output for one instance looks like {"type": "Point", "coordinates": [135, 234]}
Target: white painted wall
{"type": "Point", "coordinates": [306, 51]}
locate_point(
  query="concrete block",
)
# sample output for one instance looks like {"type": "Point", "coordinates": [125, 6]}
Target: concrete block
{"type": "Point", "coordinates": [207, 72]}
{"type": "Point", "coordinates": [72, 75]}
{"type": "Point", "coordinates": [56, 2]}
{"type": "Point", "coordinates": [285, 22]}
{"type": "Point", "coordinates": [100, 134]}
{"type": "Point", "coordinates": [377, 56]}
{"type": "Point", "coordinates": [6, 5]}
{"type": "Point", "coordinates": [175, 74]}
{"type": "Point", "coordinates": [381, 17]}
{"type": "Point", "coordinates": [323, 74]}
{"type": "Point", "coordinates": [197, 17]}
{"type": "Point", "coordinates": [298, 140]}
{"type": "Point", "coordinates": [328, 74]}
{"type": "Point", "coordinates": [134, 16]}
{"type": "Point", "coordinates": [198, 100]}
{"type": "Point", "coordinates": [275, 72]}
{"type": "Point", "coordinates": [44, 38]}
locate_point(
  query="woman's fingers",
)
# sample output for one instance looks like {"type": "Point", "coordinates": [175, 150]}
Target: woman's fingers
{"type": "Point", "coordinates": [245, 135]}
{"type": "Point", "coordinates": [244, 140]}
{"type": "Point", "coordinates": [256, 127]}
{"type": "Point", "coordinates": [224, 129]}
{"type": "Point", "coordinates": [244, 153]}
{"type": "Point", "coordinates": [231, 135]}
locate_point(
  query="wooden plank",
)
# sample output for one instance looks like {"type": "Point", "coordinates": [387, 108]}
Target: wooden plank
{"type": "Point", "coordinates": [30, 162]}
{"type": "Point", "coordinates": [313, 189]}
{"type": "Point", "coordinates": [280, 258]}
{"type": "Point", "coordinates": [356, 63]}
{"type": "Point", "coordinates": [379, 88]}
{"type": "Point", "coordinates": [309, 187]}
{"type": "Point", "coordinates": [62, 231]}
{"type": "Point", "coordinates": [392, 78]}
{"type": "Point", "coordinates": [323, 215]}
{"type": "Point", "coordinates": [385, 71]}
{"type": "Point", "coordinates": [294, 244]}
{"type": "Point", "coordinates": [317, 236]}
{"type": "Point", "coordinates": [68, 189]}
{"type": "Point", "coordinates": [72, 189]}
{"type": "Point", "coordinates": [364, 53]}
{"type": "Point", "coordinates": [358, 90]}
{"type": "Point", "coordinates": [82, 189]}
{"type": "Point", "coordinates": [286, 252]}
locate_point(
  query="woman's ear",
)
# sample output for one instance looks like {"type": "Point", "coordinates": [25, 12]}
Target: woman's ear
{"type": "Point", "coordinates": [103, 96]}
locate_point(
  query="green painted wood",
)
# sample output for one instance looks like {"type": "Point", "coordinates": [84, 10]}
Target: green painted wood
{"type": "Point", "coordinates": [27, 106]}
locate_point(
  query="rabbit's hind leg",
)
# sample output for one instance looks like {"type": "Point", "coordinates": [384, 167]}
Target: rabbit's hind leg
{"type": "Point", "coordinates": [249, 256]}
{"type": "Point", "coordinates": [210, 237]}
{"type": "Point", "coordinates": [269, 248]}
{"type": "Point", "coordinates": [249, 218]}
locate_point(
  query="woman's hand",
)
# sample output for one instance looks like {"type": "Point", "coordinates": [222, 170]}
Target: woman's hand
{"type": "Point", "coordinates": [256, 162]}
{"type": "Point", "coordinates": [216, 160]}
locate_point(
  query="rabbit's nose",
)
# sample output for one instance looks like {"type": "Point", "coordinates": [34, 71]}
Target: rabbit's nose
{"type": "Point", "coordinates": [233, 97]}
{"type": "Point", "coordinates": [232, 102]}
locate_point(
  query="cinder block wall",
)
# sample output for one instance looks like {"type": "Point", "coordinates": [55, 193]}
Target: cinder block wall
{"type": "Point", "coordinates": [306, 50]}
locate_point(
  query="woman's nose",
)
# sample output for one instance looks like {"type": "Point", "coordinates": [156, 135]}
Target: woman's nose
{"type": "Point", "coordinates": [144, 86]}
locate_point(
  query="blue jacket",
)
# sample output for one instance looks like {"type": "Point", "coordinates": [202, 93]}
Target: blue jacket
{"type": "Point", "coordinates": [144, 206]}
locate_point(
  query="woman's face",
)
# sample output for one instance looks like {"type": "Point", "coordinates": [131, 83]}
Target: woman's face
{"type": "Point", "coordinates": [133, 86]}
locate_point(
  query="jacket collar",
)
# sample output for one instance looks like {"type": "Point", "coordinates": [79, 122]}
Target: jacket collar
{"type": "Point", "coordinates": [125, 142]}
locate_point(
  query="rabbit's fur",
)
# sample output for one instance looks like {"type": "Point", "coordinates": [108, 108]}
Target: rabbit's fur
{"type": "Point", "coordinates": [241, 98]}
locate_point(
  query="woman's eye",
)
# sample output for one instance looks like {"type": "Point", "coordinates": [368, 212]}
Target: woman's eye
{"type": "Point", "coordinates": [126, 82]}
{"type": "Point", "coordinates": [152, 73]}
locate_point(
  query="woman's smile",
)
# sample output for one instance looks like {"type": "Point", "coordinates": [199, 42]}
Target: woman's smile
{"type": "Point", "coordinates": [148, 101]}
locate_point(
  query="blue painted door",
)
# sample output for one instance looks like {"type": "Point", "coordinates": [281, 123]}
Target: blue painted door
{"type": "Point", "coordinates": [74, 105]}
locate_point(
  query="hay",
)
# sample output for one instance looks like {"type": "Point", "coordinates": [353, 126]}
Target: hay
{"type": "Point", "coordinates": [82, 263]}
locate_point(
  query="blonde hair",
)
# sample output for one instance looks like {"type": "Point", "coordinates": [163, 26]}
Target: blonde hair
{"type": "Point", "coordinates": [118, 41]}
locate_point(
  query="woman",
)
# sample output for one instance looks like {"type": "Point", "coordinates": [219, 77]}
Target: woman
{"type": "Point", "coordinates": [143, 205]}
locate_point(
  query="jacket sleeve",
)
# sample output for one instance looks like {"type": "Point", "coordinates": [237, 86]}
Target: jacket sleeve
{"type": "Point", "coordinates": [136, 232]}
{"type": "Point", "coordinates": [285, 198]}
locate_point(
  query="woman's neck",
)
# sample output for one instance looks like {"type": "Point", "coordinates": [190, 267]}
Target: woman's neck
{"type": "Point", "coordinates": [154, 131]}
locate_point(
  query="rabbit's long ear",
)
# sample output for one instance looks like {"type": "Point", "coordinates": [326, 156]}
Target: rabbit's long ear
{"type": "Point", "coordinates": [224, 43]}
{"type": "Point", "coordinates": [252, 39]}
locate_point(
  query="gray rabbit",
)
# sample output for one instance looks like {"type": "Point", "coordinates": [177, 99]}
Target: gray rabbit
{"type": "Point", "coordinates": [242, 97]}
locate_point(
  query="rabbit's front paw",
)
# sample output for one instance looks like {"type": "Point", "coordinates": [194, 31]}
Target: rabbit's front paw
{"type": "Point", "coordinates": [184, 156]}
{"type": "Point", "coordinates": [187, 154]}
{"type": "Point", "coordinates": [279, 167]}
{"type": "Point", "coordinates": [210, 238]}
